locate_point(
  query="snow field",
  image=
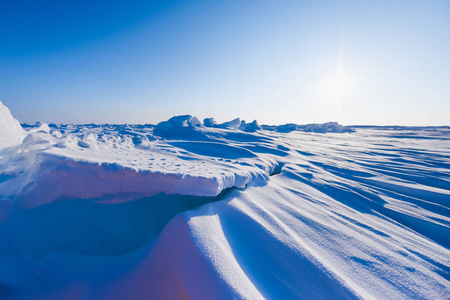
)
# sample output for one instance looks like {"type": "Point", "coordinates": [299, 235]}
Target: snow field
{"type": "Point", "coordinates": [219, 211]}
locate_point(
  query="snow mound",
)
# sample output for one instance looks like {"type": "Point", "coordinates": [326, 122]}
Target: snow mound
{"type": "Point", "coordinates": [185, 126]}
{"type": "Point", "coordinates": [11, 133]}
{"type": "Point", "coordinates": [116, 164]}
{"type": "Point", "coordinates": [180, 122]}
{"type": "Point", "coordinates": [188, 127]}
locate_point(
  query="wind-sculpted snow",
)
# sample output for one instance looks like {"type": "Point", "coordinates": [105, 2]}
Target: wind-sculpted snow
{"type": "Point", "coordinates": [204, 211]}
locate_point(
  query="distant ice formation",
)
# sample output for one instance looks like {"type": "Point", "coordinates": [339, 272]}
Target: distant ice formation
{"type": "Point", "coordinates": [233, 124]}
{"type": "Point", "coordinates": [187, 126]}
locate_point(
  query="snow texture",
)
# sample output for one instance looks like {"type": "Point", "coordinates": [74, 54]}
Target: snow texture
{"type": "Point", "coordinates": [225, 211]}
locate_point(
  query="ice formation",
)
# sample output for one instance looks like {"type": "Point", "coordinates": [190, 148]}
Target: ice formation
{"type": "Point", "coordinates": [212, 211]}
{"type": "Point", "coordinates": [11, 133]}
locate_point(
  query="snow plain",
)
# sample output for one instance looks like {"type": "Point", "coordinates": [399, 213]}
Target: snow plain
{"type": "Point", "coordinates": [201, 210]}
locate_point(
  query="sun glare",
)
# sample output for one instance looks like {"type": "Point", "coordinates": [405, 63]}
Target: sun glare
{"type": "Point", "coordinates": [335, 86]}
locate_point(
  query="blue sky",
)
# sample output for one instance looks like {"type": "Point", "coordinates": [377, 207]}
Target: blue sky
{"type": "Point", "coordinates": [137, 61]}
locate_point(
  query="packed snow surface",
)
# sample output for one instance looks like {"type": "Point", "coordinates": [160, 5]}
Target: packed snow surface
{"type": "Point", "coordinates": [224, 211]}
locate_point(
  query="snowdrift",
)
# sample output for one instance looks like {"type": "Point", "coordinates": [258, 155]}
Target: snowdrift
{"type": "Point", "coordinates": [224, 211]}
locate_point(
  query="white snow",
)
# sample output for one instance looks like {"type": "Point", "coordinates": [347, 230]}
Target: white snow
{"type": "Point", "coordinates": [235, 211]}
{"type": "Point", "coordinates": [231, 124]}
{"type": "Point", "coordinates": [250, 127]}
{"type": "Point", "coordinates": [11, 133]}
{"type": "Point", "coordinates": [210, 122]}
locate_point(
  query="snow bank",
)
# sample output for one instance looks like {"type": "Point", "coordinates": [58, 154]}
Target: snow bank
{"type": "Point", "coordinates": [11, 133]}
{"type": "Point", "coordinates": [185, 126]}
{"type": "Point", "coordinates": [116, 164]}
{"type": "Point", "coordinates": [289, 241]}
{"type": "Point", "coordinates": [61, 178]}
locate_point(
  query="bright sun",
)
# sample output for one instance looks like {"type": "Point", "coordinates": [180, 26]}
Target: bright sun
{"type": "Point", "coordinates": [335, 86]}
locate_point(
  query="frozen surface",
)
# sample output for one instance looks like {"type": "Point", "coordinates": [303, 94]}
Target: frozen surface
{"type": "Point", "coordinates": [225, 211]}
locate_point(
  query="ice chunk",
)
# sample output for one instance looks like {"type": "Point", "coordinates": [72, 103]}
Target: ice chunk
{"type": "Point", "coordinates": [11, 133]}
{"type": "Point", "coordinates": [210, 122]}
{"type": "Point", "coordinates": [181, 121]}
{"type": "Point", "coordinates": [231, 124]}
{"type": "Point", "coordinates": [250, 127]}
{"type": "Point", "coordinates": [180, 127]}
{"type": "Point", "coordinates": [287, 127]}
{"type": "Point", "coordinates": [40, 126]}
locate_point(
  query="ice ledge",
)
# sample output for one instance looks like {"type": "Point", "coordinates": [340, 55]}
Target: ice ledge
{"type": "Point", "coordinates": [57, 177]}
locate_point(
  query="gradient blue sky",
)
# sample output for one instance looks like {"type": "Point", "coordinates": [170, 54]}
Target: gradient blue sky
{"type": "Point", "coordinates": [140, 61]}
